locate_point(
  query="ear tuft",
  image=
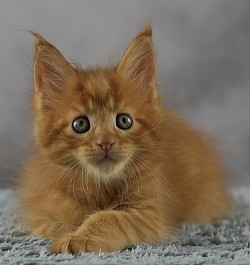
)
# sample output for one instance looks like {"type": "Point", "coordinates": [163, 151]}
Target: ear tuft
{"type": "Point", "coordinates": [39, 39]}
{"type": "Point", "coordinates": [147, 30]}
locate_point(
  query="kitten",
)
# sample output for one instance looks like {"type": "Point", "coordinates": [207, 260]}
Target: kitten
{"type": "Point", "coordinates": [112, 166]}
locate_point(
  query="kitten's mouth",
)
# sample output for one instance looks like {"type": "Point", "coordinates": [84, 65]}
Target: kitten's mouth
{"type": "Point", "coordinates": [105, 159]}
{"type": "Point", "coordinates": [107, 163]}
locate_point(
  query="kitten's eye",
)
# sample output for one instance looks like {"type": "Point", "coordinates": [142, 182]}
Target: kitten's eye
{"type": "Point", "coordinates": [81, 124]}
{"type": "Point", "coordinates": [124, 121]}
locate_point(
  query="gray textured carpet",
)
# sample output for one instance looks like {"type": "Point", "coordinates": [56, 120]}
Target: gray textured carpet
{"type": "Point", "coordinates": [227, 242]}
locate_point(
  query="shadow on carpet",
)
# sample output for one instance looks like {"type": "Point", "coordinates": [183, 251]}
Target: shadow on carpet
{"type": "Point", "coordinates": [227, 242]}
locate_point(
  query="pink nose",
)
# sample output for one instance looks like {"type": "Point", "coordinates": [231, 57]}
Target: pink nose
{"type": "Point", "coordinates": [106, 145]}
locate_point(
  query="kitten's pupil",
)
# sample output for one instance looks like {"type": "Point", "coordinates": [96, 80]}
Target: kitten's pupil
{"type": "Point", "coordinates": [124, 120]}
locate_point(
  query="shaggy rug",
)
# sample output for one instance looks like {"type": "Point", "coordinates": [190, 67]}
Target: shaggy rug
{"type": "Point", "coordinates": [227, 242]}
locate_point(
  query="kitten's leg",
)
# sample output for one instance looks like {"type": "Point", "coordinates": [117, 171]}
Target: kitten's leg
{"type": "Point", "coordinates": [112, 230]}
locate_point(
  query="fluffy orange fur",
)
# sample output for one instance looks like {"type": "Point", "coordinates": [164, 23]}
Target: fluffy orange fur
{"type": "Point", "coordinates": [108, 187]}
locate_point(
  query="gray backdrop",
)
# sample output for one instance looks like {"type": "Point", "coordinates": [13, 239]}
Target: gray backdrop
{"type": "Point", "coordinates": [203, 60]}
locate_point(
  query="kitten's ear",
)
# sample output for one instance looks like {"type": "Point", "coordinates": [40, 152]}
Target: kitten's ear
{"type": "Point", "coordinates": [51, 70]}
{"type": "Point", "coordinates": [138, 62]}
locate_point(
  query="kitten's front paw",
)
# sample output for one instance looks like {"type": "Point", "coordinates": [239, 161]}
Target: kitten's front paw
{"type": "Point", "coordinates": [69, 243]}
{"type": "Point", "coordinates": [72, 243]}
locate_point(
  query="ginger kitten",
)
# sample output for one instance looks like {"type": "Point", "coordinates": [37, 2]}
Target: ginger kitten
{"type": "Point", "coordinates": [112, 166]}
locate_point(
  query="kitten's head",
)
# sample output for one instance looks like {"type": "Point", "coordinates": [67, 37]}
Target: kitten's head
{"type": "Point", "coordinates": [102, 120]}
